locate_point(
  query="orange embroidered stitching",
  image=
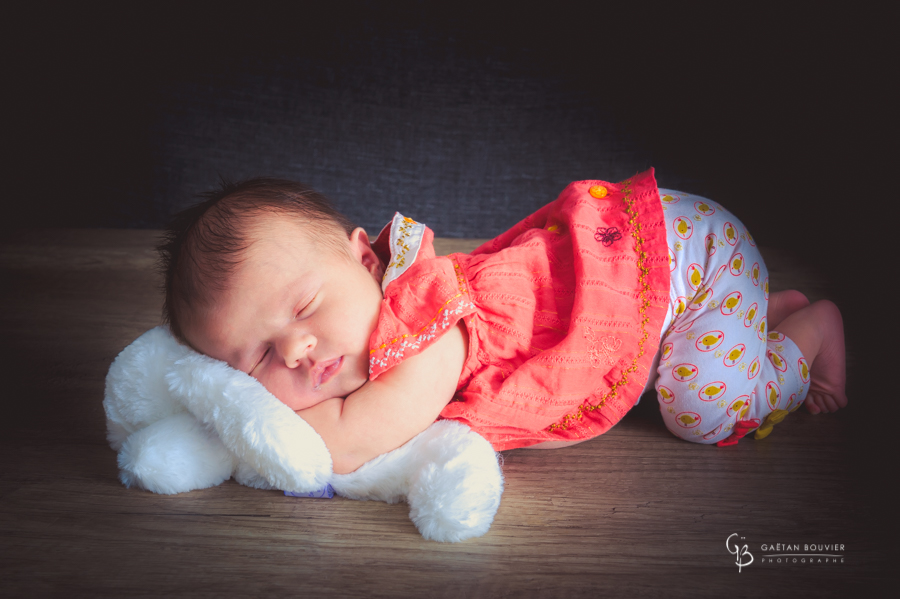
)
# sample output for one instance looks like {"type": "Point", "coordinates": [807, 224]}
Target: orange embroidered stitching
{"type": "Point", "coordinates": [460, 281]}
{"type": "Point", "coordinates": [460, 278]}
{"type": "Point", "coordinates": [422, 330]}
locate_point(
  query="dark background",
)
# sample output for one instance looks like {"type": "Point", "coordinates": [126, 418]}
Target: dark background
{"type": "Point", "coordinates": [469, 117]}
{"type": "Point", "coordinates": [464, 117]}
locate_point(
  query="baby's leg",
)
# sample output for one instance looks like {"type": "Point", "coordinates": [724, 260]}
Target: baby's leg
{"type": "Point", "coordinates": [784, 303]}
{"type": "Point", "coordinates": [722, 371]}
{"type": "Point", "coordinates": [710, 361]}
{"type": "Point", "coordinates": [818, 331]}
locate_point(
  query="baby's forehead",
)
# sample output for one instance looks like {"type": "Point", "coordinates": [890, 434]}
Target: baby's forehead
{"type": "Point", "coordinates": [272, 224]}
{"type": "Point", "coordinates": [265, 223]}
{"type": "Point", "coordinates": [294, 233]}
{"type": "Point", "coordinates": [294, 244]}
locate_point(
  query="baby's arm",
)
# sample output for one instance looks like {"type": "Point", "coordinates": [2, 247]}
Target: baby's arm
{"type": "Point", "coordinates": [389, 411]}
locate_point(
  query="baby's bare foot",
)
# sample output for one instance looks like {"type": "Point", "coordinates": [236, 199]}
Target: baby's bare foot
{"type": "Point", "coordinates": [818, 331]}
{"type": "Point", "coordinates": [784, 303]}
{"type": "Point", "coordinates": [827, 389]}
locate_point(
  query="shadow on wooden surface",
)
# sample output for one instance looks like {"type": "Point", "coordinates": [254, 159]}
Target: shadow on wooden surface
{"type": "Point", "coordinates": [635, 512]}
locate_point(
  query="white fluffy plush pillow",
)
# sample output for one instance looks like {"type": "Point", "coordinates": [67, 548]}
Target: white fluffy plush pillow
{"type": "Point", "coordinates": [183, 421]}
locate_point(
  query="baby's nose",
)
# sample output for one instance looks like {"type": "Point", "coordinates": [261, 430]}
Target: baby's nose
{"type": "Point", "coordinates": [295, 348]}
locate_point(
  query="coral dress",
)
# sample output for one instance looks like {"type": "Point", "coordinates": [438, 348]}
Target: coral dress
{"type": "Point", "coordinates": [563, 312]}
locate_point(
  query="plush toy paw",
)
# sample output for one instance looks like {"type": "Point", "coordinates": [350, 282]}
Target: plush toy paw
{"type": "Point", "coordinates": [174, 455]}
{"type": "Point", "coordinates": [456, 491]}
{"type": "Point", "coordinates": [449, 475]}
{"type": "Point", "coordinates": [137, 394]}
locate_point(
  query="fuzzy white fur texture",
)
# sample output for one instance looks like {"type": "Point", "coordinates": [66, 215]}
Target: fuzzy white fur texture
{"type": "Point", "coordinates": [182, 421]}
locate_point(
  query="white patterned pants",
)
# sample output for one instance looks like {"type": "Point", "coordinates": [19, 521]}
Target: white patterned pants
{"type": "Point", "coordinates": [722, 373]}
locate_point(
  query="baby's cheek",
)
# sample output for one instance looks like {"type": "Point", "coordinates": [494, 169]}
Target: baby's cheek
{"type": "Point", "coordinates": [275, 386]}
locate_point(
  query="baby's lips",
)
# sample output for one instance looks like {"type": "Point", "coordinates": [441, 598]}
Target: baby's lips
{"type": "Point", "coordinates": [315, 374]}
{"type": "Point", "coordinates": [319, 369]}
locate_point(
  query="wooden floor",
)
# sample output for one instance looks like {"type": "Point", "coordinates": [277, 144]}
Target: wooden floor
{"type": "Point", "coordinates": [635, 512]}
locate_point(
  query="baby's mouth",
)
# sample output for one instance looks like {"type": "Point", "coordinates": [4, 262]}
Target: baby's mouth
{"type": "Point", "coordinates": [324, 371]}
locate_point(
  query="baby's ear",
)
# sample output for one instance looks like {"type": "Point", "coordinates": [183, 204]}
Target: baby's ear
{"type": "Point", "coordinates": [362, 251]}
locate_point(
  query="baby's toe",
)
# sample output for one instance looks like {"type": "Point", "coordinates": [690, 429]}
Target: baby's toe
{"type": "Point", "coordinates": [813, 404]}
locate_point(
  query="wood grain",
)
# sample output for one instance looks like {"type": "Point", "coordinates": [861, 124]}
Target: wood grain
{"type": "Point", "coordinates": [635, 512]}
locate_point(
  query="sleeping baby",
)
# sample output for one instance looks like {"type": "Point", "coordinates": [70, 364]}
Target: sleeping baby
{"type": "Point", "coordinates": [542, 337]}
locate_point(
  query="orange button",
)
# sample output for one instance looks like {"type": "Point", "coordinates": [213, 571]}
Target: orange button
{"type": "Point", "coordinates": [598, 191]}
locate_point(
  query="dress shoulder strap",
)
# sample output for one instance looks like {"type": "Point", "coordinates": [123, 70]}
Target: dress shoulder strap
{"type": "Point", "coordinates": [399, 244]}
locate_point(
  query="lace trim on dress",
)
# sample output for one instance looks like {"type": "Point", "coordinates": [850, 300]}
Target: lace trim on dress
{"type": "Point", "coordinates": [405, 240]}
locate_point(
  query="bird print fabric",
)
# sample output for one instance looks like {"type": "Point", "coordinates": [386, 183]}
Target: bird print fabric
{"type": "Point", "coordinates": [722, 372]}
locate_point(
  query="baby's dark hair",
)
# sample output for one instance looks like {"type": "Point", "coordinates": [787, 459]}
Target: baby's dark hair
{"type": "Point", "coordinates": [205, 243]}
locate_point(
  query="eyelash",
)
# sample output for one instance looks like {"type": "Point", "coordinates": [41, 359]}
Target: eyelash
{"type": "Point", "coordinates": [262, 359]}
{"type": "Point", "coordinates": [308, 304]}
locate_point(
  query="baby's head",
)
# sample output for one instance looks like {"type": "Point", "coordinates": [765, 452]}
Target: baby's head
{"type": "Point", "coordinates": [268, 277]}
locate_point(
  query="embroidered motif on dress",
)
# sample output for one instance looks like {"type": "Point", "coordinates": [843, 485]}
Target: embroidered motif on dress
{"type": "Point", "coordinates": [601, 350]}
{"type": "Point", "coordinates": [396, 348]}
{"type": "Point", "coordinates": [607, 235]}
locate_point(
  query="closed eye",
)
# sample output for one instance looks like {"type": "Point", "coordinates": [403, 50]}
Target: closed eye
{"type": "Point", "coordinates": [260, 361]}
{"type": "Point", "coordinates": [307, 309]}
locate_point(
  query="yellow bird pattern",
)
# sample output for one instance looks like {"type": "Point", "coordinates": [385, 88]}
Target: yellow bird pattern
{"type": "Point", "coordinates": [685, 372]}
{"type": "Point", "coordinates": [688, 420]}
{"type": "Point", "coordinates": [710, 340]}
{"type": "Point", "coordinates": [713, 391]}
{"type": "Point", "coordinates": [696, 278]}
{"type": "Point", "coordinates": [732, 302]}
